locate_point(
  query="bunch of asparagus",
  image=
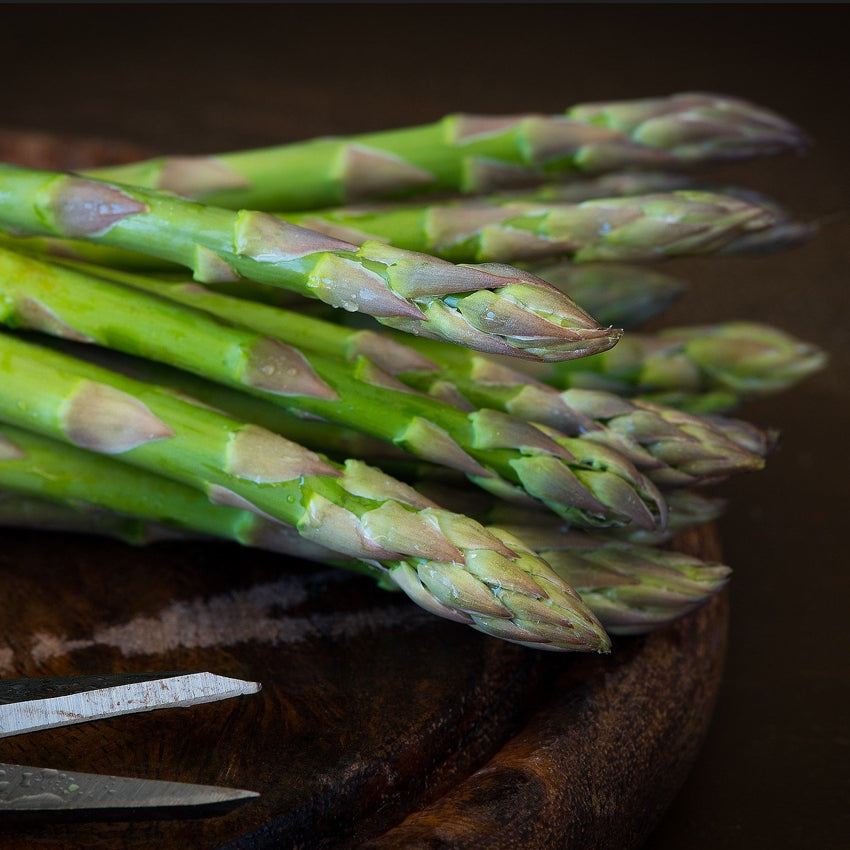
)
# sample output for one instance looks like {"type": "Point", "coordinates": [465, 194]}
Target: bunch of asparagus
{"type": "Point", "coordinates": [499, 450]}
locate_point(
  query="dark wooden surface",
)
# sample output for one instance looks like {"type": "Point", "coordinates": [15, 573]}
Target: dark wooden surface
{"type": "Point", "coordinates": [377, 722]}
{"type": "Point", "coordinates": [774, 769]}
{"type": "Point", "coordinates": [365, 701]}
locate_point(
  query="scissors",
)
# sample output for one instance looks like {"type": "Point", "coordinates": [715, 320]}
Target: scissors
{"type": "Point", "coordinates": [44, 794]}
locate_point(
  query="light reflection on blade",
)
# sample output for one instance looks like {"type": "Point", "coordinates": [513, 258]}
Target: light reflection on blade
{"type": "Point", "coordinates": [30, 705]}
{"type": "Point", "coordinates": [42, 793]}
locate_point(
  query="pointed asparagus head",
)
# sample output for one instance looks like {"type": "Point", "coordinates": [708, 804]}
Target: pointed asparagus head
{"type": "Point", "coordinates": [516, 597]}
{"type": "Point", "coordinates": [685, 509]}
{"type": "Point", "coordinates": [670, 224]}
{"type": "Point", "coordinates": [675, 449]}
{"type": "Point", "coordinates": [744, 434]}
{"type": "Point", "coordinates": [749, 358]}
{"type": "Point", "coordinates": [593, 486]}
{"type": "Point", "coordinates": [487, 307]}
{"type": "Point", "coordinates": [633, 589]}
{"type": "Point", "coordinates": [513, 312]}
{"type": "Point", "coordinates": [446, 562]}
{"type": "Point", "coordinates": [456, 568]}
{"type": "Point", "coordinates": [690, 127]}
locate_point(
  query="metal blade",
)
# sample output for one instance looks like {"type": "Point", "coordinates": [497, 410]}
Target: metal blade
{"type": "Point", "coordinates": [35, 704]}
{"type": "Point", "coordinates": [39, 793]}
{"type": "Point", "coordinates": [22, 690]}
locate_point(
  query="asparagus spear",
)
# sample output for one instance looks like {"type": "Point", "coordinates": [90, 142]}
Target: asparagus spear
{"type": "Point", "coordinates": [607, 186]}
{"type": "Point", "coordinates": [616, 295]}
{"type": "Point", "coordinates": [783, 233]}
{"type": "Point", "coordinates": [32, 512]}
{"type": "Point", "coordinates": [51, 486]}
{"type": "Point", "coordinates": [583, 481]}
{"type": "Point", "coordinates": [672, 448]}
{"type": "Point", "coordinates": [686, 509]}
{"type": "Point", "coordinates": [609, 229]}
{"type": "Point", "coordinates": [702, 368]}
{"type": "Point", "coordinates": [497, 308]}
{"type": "Point", "coordinates": [474, 154]}
{"type": "Point", "coordinates": [632, 589]}
{"type": "Point", "coordinates": [77, 249]}
{"type": "Point", "coordinates": [92, 486]}
{"type": "Point", "coordinates": [446, 562]}
{"type": "Point", "coordinates": [613, 293]}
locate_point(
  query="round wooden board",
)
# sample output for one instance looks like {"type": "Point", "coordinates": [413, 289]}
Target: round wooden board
{"type": "Point", "coordinates": [378, 725]}
{"type": "Point", "coordinates": [377, 722]}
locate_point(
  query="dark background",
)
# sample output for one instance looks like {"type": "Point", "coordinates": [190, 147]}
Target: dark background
{"type": "Point", "coordinates": [196, 78]}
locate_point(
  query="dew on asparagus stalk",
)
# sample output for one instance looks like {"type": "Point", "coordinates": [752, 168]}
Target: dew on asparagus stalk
{"type": "Point", "coordinates": [404, 289]}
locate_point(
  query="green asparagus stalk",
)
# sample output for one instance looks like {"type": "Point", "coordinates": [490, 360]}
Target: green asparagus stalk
{"type": "Point", "coordinates": [616, 295]}
{"type": "Point", "coordinates": [631, 589]}
{"type": "Point", "coordinates": [474, 154]}
{"type": "Point", "coordinates": [701, 368]}
{"type": "Point", "coordinates": [583, 481]}
{"type": "Point", "coordinates": [30, 512]}
{"type": "Point", "coordinates": [497, 308]}
{"type": "Point", "coordinates": [92, 485]}
{"type": "Point", "coordinates": [607, 186]}
{"type": "Point", "coordinates": [489, 230]}
{"type": "Point", "coordinates": [446, 562]}
{"type": "Point", "coordinates": [671, 448]}
{"type": "Point", "coordinates": [686, 509]}
{"type": "Point", "coordinates": [77, 249]}
{"type": "Point", "coordinates": [784, 233]}
{"type": "Point", "coordinates": [47, 485]}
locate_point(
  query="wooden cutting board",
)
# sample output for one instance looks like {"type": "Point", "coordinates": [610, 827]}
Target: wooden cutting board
{"type": "Point", "coordinates": [378, 725]}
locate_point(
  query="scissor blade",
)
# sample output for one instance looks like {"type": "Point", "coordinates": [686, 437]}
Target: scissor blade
{"type": "Point", "coordinates": [38, 793]}
{"type": "Point", "coordinates": [22, 690]}
{"type": "Point", "coordinates": [78, 704]}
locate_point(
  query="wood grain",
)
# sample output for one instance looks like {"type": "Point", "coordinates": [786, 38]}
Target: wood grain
{"type": "Point", "coordinates": [378, 725]}
{"type": "Point", "coordinates": [365, 701]}
{"type": "Point", "coordinates": [604, 751]}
